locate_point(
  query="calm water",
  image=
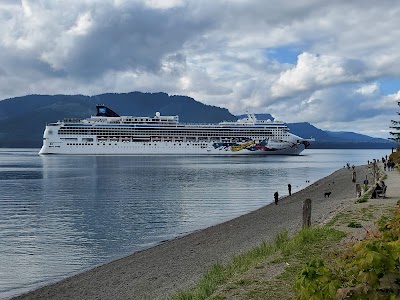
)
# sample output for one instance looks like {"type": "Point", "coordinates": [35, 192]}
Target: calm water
{"type": "Point", "coordinates": [60, 215]}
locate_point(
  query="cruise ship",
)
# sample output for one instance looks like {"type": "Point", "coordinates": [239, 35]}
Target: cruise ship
{"type": "Point", "coordinates": [111, 134]}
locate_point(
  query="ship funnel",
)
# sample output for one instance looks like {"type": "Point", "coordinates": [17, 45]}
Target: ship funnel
{"type": "Point", "coordinates": [104, 111]}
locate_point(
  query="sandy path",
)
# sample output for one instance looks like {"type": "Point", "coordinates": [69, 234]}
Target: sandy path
{"type": "Point", "coordinates": [373, 210]}
{"type": "Point", "coordinates": [162, 270]}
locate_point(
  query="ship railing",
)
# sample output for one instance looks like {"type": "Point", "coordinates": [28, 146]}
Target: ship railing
{"type": "Point", "coordinates": [223, 124]}
{"type": "Point", "coordinates": [202, 124]}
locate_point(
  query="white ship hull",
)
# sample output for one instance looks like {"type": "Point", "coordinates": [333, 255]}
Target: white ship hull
{"type": "Point", "coordinates": [162, 148]}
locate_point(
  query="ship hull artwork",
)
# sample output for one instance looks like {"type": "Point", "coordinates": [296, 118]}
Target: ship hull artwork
{"type": "Point", "coordinates": [110, 134]}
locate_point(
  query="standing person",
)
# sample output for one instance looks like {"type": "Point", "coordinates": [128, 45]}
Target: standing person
{"type": "Point", "coordinates": [276, 195]}
{"type": "Point", "coordinates": [289, 186]}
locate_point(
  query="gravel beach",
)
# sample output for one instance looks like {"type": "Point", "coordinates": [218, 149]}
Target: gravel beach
{"type": "Point", "coordinates": [160, 271]}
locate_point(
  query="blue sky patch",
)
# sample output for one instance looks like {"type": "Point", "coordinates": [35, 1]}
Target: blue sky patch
{"type": "Point", "coordinates": [284, 54]}
{"type": "Point", "coordinates": [389, 85]}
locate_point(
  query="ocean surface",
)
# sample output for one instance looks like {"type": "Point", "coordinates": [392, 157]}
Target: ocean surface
{"type": "Point", "coordinates": [61, 215]}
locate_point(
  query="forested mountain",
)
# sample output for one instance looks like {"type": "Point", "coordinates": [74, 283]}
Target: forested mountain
{"type": "Point", "coordinates": [23, 119]}
{"type": "Point", "coordinates": [338, 139]}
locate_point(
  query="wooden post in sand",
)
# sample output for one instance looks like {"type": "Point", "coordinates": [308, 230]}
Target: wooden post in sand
{"type": "Point", "coordinates": [307, 213]}
{"type": "Point", "coordinates": [374, 170]}
{"type": "Point", "coordinates": [358, 190]}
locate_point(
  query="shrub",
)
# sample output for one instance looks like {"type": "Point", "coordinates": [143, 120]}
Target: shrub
{"type": "Point", "coordinates": [395, 156]}
{"type": "Point", "coordinates": [354, 225]}
{"type": "Point", "coordinates": [371, 270]}
{"type": "Point", "coordinates": [316, 282]}
{"type": "Point", "coordinates": [363, 199]}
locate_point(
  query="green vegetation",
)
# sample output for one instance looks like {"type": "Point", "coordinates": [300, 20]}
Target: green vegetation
{"type": "Point", "coordinates": [364, 198]}
{"type": "Point", "coordinates": [367, 213]}
{"type": "Point", "coordinates": [396, 126]}
{"type": "Point", "coordinates": [395, 156]}
{"type": "Point", "coordinates": [316, 281]}
{"type": "Point", "coordinates": [355, 225]}
{"type": "Point", "coordinates": [342, 217]}
{"type": "Point", "coordinates": [313, 265]}
{"type": "Point", "coordinates": [364, 214]}
{"type": "Point", "coordinates": [369, 270]}
{"type": "Point", "coordinates": [293, 252]}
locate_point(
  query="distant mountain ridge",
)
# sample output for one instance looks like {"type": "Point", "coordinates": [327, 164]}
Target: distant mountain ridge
{"type": "Point", "coordinates": [351, 135]}
{"type": "Point", "coordinates": [23, 119]}
{"type": "Point", "coordinates": [338, 139]}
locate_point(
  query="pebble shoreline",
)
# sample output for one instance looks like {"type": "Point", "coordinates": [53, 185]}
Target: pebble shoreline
{"type": "Point", "coordinates": [161, 271]}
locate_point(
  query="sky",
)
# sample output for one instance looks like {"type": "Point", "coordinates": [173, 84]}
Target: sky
{"type": "Point", "coordinates": [335, 64]}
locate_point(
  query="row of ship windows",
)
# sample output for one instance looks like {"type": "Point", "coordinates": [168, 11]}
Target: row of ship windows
{"type": "Point", "coordinates": [176, 128]}
{"type": "Point", "coordinates": [144, 144]}
{"type": "Point", "coordinates": [165, 134]}
{"type": "Point", "coordinates": [184, 132]}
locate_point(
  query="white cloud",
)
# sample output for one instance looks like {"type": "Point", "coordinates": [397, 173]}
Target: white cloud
{"type": "Point", "coordinates": [215, 51]}
{"type": "Point", "coordinates": [312, 72]}
{"type": "Point", "coordinates": [162, 4]}
{"type": "Point", "coordinates": [368, 89]}
{"type": "Point", "coordinates": [82, 24]}
{"type": "Point", "coordinates": [26, 8]}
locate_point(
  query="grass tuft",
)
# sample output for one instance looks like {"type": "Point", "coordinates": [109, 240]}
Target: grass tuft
{"type": "Point", "coordinates": [354, 225]}
{"type": "Point", "coordinates": [364, 198]}
{"type": "Point", "coordinates": [283, 243]}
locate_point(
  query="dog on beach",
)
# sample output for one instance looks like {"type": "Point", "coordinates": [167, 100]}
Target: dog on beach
{"type": "Point", "coordinates": [327, 194]}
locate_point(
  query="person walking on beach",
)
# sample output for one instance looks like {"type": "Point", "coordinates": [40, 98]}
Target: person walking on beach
{"type": "Point", "coordinates": [289, 186]}
{"type": "Point", "coordinates": [276, 195]}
